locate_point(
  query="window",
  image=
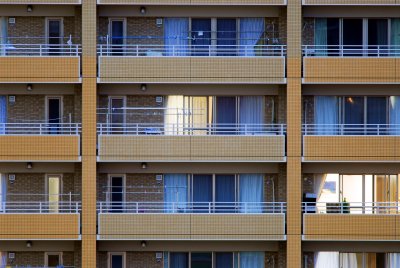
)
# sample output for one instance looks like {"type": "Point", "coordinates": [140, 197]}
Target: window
{"type": "Point", "coordinates": [355, 260]}
{"type": "Point", "coordinates": [116, 259]}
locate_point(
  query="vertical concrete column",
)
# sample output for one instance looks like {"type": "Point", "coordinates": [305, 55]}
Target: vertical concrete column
{"type": "Point", "coordinates": [294, 22]}
{"type": "Point", "coordinates": [89, 59]}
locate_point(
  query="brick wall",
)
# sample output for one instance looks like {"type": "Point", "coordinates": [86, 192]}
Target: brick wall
{"type": "Point", "coordinates": [310, 259]}
{"type": "Point", "coordinates": [308, 31]}
{"type": "Point", "coordinates": [283, 26]}
{"type": "Point", "coordinates": [281, 105]}
{"type": "Point", "coordinates": [34, 186]}
{"type": "Point", "coordinates": [37, 258]}
{"type": "Point", "coordinates": [31, 109]}
{"type": "Point", "coordinates": [36, 27]}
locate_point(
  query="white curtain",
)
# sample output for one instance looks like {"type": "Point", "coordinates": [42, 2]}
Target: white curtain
{"type": "Point", "coordinates": [326, 115]}
{"type": "Point", "coordinates": [348, 260]}
{"type": "Point", "coordinates": [251, 192]}
{"type": "Point", "coordinates": [319, 182]}
{"type": "Point", "coordinates": [321, 37]}
{"type": "Point", "coordinates": [3, 114]}
{"type": "Point", "coordinates": [176, 33]}
{"type": "Point", "coordinates": [3, 192]}
{"type": "Point", "coordinates": [251, 30]}
{"type": "Point", "coordinates": [326, 260]}
{"type": "Point", "coordinates": [175, 192]}
{"type": "Point", "coordinates": [394, 115]}
{"type": "Point", "coordinates": [252, 113]}
{"type": "Point", "coordinates": [173, 115]}
{"type": "Point", "coordinates": [393, 260]}
{"type": "Point", "coordinates": [252, 259]}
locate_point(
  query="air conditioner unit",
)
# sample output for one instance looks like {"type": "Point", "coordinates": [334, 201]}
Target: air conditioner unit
{"type": "Point", "coordinates": [11, 178]}
{"type": "Point", "coordinates": [159, 178]}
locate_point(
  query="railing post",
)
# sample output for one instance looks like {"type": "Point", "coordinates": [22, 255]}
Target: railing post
{"type": "Point", "coordinates": [341, 207]}
{"type": "Point", "coordinates": [40, 207]}
{"type": "Point", "coordinates": [137, 50]}
{"type": "Point", "coordinates": [137, 128]}
{"type": "Point", "coordinates": [209, 207]}
{"type": "Point", "coordinates": [173, 50]}
{"type": "Point", "coordinates": [70, 202]}
{"type": "Point", "coordinates": [137, 207]}
{"type": "Point", "coordinates": [76, 207]}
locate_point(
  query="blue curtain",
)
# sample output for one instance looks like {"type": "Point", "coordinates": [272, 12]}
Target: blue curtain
{"type": "Point", "coordinates": [321, 36]}
{"type": "Point", "coordinates": [3, 191]}
{"type": "Point", "coordinates": [394, 115]}
{"type": "Point", "coordinates": [395, 36]}
{"type": "Point", "coordinates": [224, 259]}
{"type": "Point", "coordinates": [226, 115]}
{"type": "Point", "coordinates": [226, 37]}
{"type": "Point", "coordinates": [3, 114]}
{"type": "Point", "coordinates": [326, 115]}
{"type": "Point", "coordinates": [251, 112]}
{"type": "Point", "coordinates": [178, 260]}
{"type": "Point", "coordinates": [251, 30]}
{"type": "Point", "coordinates": [251, 191]}
{"type": "Point", "coordinates": [225, 193]}
{"type": "Point", "coordinates": [202, 192]}
{"type": "Point", "coordinates": [175, 191]}
{"type": "Point", "coordinates": [252, 259]}
{"type": "Point", "coordinates": [176, 33]}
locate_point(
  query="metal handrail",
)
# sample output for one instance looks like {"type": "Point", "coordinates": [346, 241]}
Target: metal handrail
{"type": "Point", "coordinates": [351, 207]}
{"type": "Point", "coordinates": [20, 207]}
{"type": "Point", "coordinates": [351, 51]}
{"type": "Point", "coordinates": [40, 128]}
{"type": "Point", "coordinates": [192, 207]}
{"type": "Point", "coordinates": [150, 50]}
{"type": "Point", "coordinates": [351, 129]}
{"type": "Point", "coordinates": [145, 129]}
{"type": "Point", "coordinates": [41, 50]}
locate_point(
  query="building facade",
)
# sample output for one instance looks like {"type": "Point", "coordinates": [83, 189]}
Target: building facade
{"type": "Point", "coordinates": [188, 134]}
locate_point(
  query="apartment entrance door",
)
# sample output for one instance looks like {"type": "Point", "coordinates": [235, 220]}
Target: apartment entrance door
{"type": "Point", "coordinates": [54, 114]}
{"type": "Point", "coordinates": [117, 35]}
{"type": "Point", "coordinates": [54, 31]}
{"type": "Point", "coordinates": [116, 193]}
{"type": "Point", "coordinates": [53, 259]}
{"type": "Point", "coordinates": [53, 183]}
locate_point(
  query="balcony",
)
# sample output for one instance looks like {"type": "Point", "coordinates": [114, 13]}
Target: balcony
{"type": "Point", "coordinates": [354, 143]}
{"type": "Point", "coordinates": [27, 219]}
{"type": "Point", "coordinates": [39, 63]}
{"type": "Point", "coordinates": [350, 2]}
{"type": "Point", "coordinates": [350, 64]}
{"type": "Point", "coordinates": [181, 142]}
{"type": "Point", "coordinates": [341, 221]}
{"type": "Point", "coordinates": [40, 142]}
{"type": "Point", "coordinates": [191, 221]}
{"type": "Point", "coordinates": [183, 64]}
{"type": "Point", "coordinates": [194, 2]}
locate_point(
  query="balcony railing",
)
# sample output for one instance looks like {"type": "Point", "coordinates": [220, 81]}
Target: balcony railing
{"type": "Point", "coordinates": [144, 129]}
{"type": "Point", "coordinates": [191, 51]}
{"type": "Point", "coordinates": [192, 207]}
{"type": "Point", "coordinates": [39, 50]}
{"type": "Point", "coordinates": [351, 51]}
{"type": "Point", "coordinates": [24, 129]}
{"type": "Point", "coordinates": [351, 129]}
{"type": "Point", "coordinates": [352, 207]}
{"type": "Point", "coordinates": [44, 207]}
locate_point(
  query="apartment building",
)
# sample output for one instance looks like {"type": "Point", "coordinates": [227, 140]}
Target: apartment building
{"type": "Point", "coordinates": [215, 134]}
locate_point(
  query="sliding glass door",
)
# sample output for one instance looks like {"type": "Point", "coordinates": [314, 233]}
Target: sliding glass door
{"type": "Point", "coordinates": [378, 37]}
{"type": "Point", "coordinates": [225, 193]}
{"type": "Point", "coordinates": [202, 192]}
{"type": "Point", "coordinates": [226, 115]}
{"type": "Point", "coordinates": [352, 37]}
{"type": "Point", "coordinates": [226, 37]}
{"type": "Point", "coordinates": [201, 37]}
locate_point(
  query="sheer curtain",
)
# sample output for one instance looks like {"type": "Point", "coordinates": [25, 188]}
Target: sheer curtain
{"type": "Point", "coordinates": [251, 112]}
{"type": "Point", "coordinates": [251, 192]}
{"type": "Point", "coordinates": [3, 259]}
{"type": "Point", "coordinates": [251, 30]}
{"type": "Point", "coordinates": [326, 260]}
{"type": "Point", "coordinates": [252, 259]}
{"type": "Point", "coordinates": [395, 36]}
{"type": "Point", "coordinates": [321, 37]}
{"type": "Point", "coordinates": [348, 260]}
{"type": "Point", "coordinates": [175, 191]}
{"type": "Point", "coordinates": [326, 115]}
{"type": "Point", "coordinates": [3, 192]}
{"type": "Point", "coordinates": [393, 260]}
{"type": "Point", "coordinates": [3, 114]}
{"type": "Point", "coordinates": [176, 33]}
{"type": "Point", "coordinates": [394, 115]}
{"type": "Point", "coordinates": [173, 115]}
{"type": "Point", "coordinates": [202, 193]}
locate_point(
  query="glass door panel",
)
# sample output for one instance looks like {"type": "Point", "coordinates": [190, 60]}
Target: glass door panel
{"type": "Point", "coordinates": [376, 115]}
{"type": "Point", "coordinates": [226, 37]}
{"type": "Point", "coordinates": [116, 115]}
{"type": "Point", "coordinates": [353, 37]}
{"type": "Point", "coordinates": [116, 194]}
{"type": "Point", "coordinates": [354, 115]}
{"type": "Point", "coordinates": [54, 190]}
{"type": "Point", "coordinates": [197, 119]}
{"type": "Point", "coordinates": [201, 260]}
{"type": "Point", "coordinates": [201, 37]}
{"type": "Point", "coordinates": [117, 261]}
{"type": "Point", "coordinates": [368, 194]}
{"type": "Point", "coordinates": [333, 36]}
{"type": "Point", "coordinates": [202, 194]}
{"type": "Point", "coordinates": [178, 260]}
{"type": "Point", "coordinates": [54, 36]}
{"type": "Point", "coordinates": [54, 115]}
{"type": "Point", "coordinates": [53, 260]}
{"type": "Point", "coordinates": [225, 193]}
{"type": "Point", "coordinates": [226, 115]}
{"type": "Point", "coordinates": [352, 193]}
{"type": "Point", "coordinates": [117, 36]}
{"type": "Point", "coordinates": [378, 37]}
{"type": "Point", "coordinates": [224, 259]}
